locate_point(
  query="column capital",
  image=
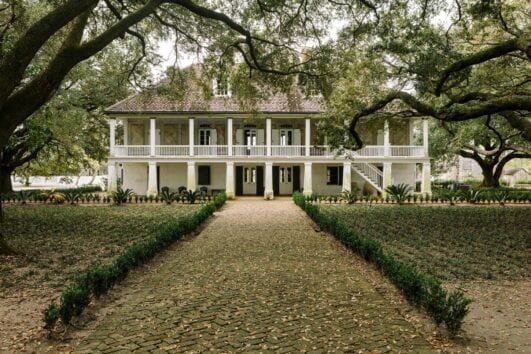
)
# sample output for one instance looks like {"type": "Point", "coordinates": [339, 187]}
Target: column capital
{"type": "Point", "coordinates": [190, 163]}
{"type": "Point", "coordinates": [230, 163]}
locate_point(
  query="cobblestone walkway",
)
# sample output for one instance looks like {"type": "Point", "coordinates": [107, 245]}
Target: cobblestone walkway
{"type": "Point", "coordinates": [257, 278]}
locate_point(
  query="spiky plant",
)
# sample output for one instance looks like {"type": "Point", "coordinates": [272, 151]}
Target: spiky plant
{"type": "Point", "coordinates": [120, 195]}
{"type": "Point", "coordinates": [399, 192]}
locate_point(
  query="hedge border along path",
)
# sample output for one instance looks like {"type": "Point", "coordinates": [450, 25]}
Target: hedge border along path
{"type": "Point", "coordinates": [97, 279]}
{"type": "Point", "coordinates": [419, 289]}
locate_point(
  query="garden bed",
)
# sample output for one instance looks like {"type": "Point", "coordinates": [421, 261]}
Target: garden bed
{"type": "Point", "coordinates": [58, 241]}
{"type": "Point", "coordinates": [470, 243]}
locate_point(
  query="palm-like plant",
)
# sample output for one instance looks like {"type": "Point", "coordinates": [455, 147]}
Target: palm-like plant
{"type": "Point", "coordinates": [190, 195]}
{"type": "Point", "coordinates": [501, 196]}
{"type": "Point", "coordinates": [167, 197]}
{"type": "Point", "coordinates": [72, 197]}
{"type": "Point", "coordinates": [349, 197]}
{"type": "Point", "coordinates": [120, 195]}
{"type": "Point", "coordinates": [399, 192]}
{"type": "Point", "coordinates": [472, 196]}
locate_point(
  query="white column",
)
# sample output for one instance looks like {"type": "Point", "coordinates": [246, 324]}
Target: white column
{"type": "Point", "coordinates": [307, 178]}
{"type": "Point", "coordinates": [425, 132]}
{"type": "Point", "coordinates": [347, 176]}
{"type": "Point", "coordinates": [152, 136]}
{"type": "Point", "coordinates": [190, 179]}
{"type": "Point", "coordinates": [229, 136]}
{"type": "Point", "coordinates": [387, 147]}
{"type": "Point", "coordinates": [268, 136]}
{"type": "Point", "coordinates": [387, 176]}
{"type": "Point", "coordinates": [152, 179]}
{"type": "Point", "coordinates": [412, 131]}
{"type": "Point", "coordinates": [125, 122]}
{"type": "Point", "coordinates": [111, 176]}
{"type": "Point", "coordinates": [268, 192]}
{"type": "Point", "coordinates": [191, 135]}
{"type": "Point", "coordinates": [112, 135]}
{"type": "Point", "coordinates": [426, 178]}
{"type": "Point", "coordinates": [307, 136]}
{"type": "Point", "coordinates": [229, 188]}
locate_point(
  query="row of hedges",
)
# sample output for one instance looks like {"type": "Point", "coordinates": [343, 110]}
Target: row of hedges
{"type": "Point", "coordinates": [97, 279]}
{"type": "Point", "coordinates": [419, 289]}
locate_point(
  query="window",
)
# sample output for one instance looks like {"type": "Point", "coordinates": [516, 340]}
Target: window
{"type": "Point", "coordinates": [221, 87]}
{"type": "Point", "coordinates": [334, 175]}
{"type": "Point", "coordinates": [286, 137]}
{"type": "Point", "coordinates": [250, 137]}
{"type": "Point", "coordinates": [205, 136]}
{"type": "Point", "coordinates": [203, 173]}
{"type": "Point", "coordinates": [285, 175]}
{"type": "Point", "coordinates": [249, 175]}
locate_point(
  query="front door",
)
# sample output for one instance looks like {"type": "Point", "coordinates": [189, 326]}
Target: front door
{"type": "Point", "coordinates": [276, 180]}
{"type": "Point", "coordinates": [260, 180]}
{"type": "Point", "coordinates": [296, 179]}
{"type": "Point", "coordinates": [239, 180]}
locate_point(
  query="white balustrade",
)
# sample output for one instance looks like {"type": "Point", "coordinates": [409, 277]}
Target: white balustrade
{"type": "Point", "coordinates": [321, 151]}
{"type": "Point", "coordinates": [131, 150]}
{"type": "Point", "coordinates": [287, 150]}
{"type": "Point", "coordinates": [371, 172]}
{"type": "Point", "coordinates": [210, 150]}
{"type": "Point", "coordinates": [407, 150]}
{"type": "Point", "coordinates": [172, 150]}
{"type": "Point", "coordinates": [253, 150]}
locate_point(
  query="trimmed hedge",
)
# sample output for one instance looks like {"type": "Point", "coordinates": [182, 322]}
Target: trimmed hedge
{"type": "Point", "coordinates": [97, 279]}
{"type": "Point", "coordinates": [419, 289]}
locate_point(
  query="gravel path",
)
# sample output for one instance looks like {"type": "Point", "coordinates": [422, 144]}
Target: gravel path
{"type": "Point", "coordinates": [257, 278]}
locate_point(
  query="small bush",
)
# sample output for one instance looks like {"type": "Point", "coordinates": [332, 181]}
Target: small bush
{"type": "Point", "coordinates": [399, 192]}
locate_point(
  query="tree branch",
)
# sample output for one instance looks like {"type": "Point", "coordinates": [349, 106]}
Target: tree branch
{"type": "Point", "coordinates": [476, 58]}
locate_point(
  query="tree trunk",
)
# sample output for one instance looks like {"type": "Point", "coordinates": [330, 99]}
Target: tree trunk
{"type": "Point", "coordinates": [489, 178]}
{"type": "Point", "coordinates": [5, 181]}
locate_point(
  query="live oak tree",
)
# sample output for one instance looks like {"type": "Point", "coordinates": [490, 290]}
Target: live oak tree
{"type": "Point", "coordinates": [490, 142]}
{"type": "Point", "coordinates": [423, 66]}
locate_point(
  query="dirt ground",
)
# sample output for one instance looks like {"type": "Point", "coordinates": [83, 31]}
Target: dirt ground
{"type": "Point", "coordinates": [499, 320]}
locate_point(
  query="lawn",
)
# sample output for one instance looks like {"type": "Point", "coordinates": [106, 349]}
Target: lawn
{"type": "Point", "coordinates": [58, 241]}
{"type": "Point", "coordinates": [456, 243]}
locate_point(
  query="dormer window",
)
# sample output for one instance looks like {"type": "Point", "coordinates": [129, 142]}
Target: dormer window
{"type": "Point", "coordinates": [221, 87]}
{"type": "Point", "coordinates": [311, 86]}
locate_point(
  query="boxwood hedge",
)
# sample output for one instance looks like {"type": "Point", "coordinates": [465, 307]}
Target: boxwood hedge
{"type": "Point", "coordinates": [97, 279]}
{"type": "Point", "coordinates": [419, 289]}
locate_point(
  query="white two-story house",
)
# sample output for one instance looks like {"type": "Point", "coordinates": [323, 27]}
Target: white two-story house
{"type": "Point", "coordinates": [213, 143]}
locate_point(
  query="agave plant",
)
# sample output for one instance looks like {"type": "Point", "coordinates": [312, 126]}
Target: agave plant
{"type": "Point", "coordinates": [24, 196]}
{"type": "Point", "coordinates": [72, 197]}
{"type": "Point", "coordinates": [399, 192]}
{"type": "Point", "coordinates": [167, 197]}
{"type": "Point", "coordinates": [121, 196]}
{"type": "Point", "coordinates": [501, 196]}
{"type": "Point", "coordinates": [190, 195]}
{"type": "Point", "coordinates": [349, 197]}
{"type": "Point", "coordinates": [472, 196]}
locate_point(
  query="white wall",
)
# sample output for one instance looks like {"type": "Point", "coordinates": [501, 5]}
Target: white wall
{"type": "Point", "coordinates": [319, 185]}
{"type": "Point", "coordinates": [135, 177]}
{"type": "Point", "coordinates": [172, 176]}
{"type": "Point", "coordinates": [403, 173]}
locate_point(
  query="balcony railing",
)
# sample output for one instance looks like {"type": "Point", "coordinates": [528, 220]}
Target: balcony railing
{"type": "Point", "coordinates": [261, 151]}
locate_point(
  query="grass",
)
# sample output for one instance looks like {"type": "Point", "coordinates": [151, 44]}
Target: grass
{"type": "Point", "coordinates": [469, 243]}
{"type": "Point", "coordinates": [58, 241]}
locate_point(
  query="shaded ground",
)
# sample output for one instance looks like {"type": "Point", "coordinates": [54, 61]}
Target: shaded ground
{"type": "Point", "coordinates": [258, 277]}
{"type": "Point", "coordinates": [484, 250]}
{"type": "Point", "coordinates": [458, 244]}
{"type": "Point", "coordinates": [56, 242]}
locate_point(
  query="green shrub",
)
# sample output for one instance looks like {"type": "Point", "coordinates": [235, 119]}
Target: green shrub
{"type": "Point", "coordinates": [418, 288]}
{"type": "Point", "coordinates": [72, 196]}
{"type": "Point", "coordinates": [349, 197]}
{"type": "Point", "coordinates": [167, 197]}
{"type": "Point", "coordinates": [97, 279]}
{"type": "Point", "coordinates": [121, 196]}
{"type": "Point", "coordinates": [399, 192]}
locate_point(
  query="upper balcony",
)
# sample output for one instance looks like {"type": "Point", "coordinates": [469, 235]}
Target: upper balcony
{"type": "Point", "coordinates": [275, 151]}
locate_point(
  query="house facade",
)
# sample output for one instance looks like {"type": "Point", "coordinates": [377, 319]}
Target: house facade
{"type": "Point", "coordinates": [271, 151]}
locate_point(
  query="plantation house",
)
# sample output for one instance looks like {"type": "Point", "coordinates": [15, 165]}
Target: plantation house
{"type": "Point", "coordinates": [196, 142]}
